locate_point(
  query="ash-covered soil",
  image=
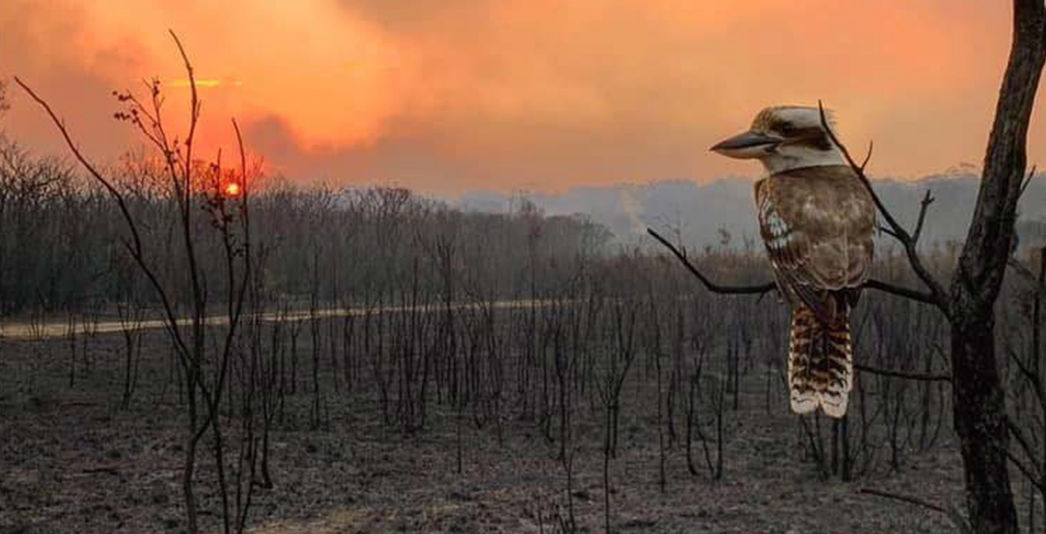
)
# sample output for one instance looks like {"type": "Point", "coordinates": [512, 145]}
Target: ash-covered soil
{"type": "Point", "coordinates": [71, 460]}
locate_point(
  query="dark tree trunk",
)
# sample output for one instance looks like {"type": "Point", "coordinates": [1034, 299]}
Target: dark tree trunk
{"type": "Point", "coordinates": [979, 411]}
{"type": "Point", "coordinates": [979, 406]}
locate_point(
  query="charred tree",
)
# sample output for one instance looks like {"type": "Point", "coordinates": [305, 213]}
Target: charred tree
{"type": "Point", "coordinates": [979, 408]}
{"type": "Point", "coordinates": [968, 302]}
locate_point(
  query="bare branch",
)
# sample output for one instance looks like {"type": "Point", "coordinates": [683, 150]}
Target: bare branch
{"type": "Point", "coordinates": [886, 287]}
{"type": "Point", "coordinates": [194, 116]}
{"type": "Point", "coordinates": [1031, 375]}
{"type": "Point", "coordinates": [1016, 432]}
{"type": "Point", "coordinates": [1025, 470]}
{"type": "Point", "coordinates": [927, 200]}
{"type": "Point", "coordinates": [760, 289]}
{"type": "Point", "coordinates": [905, 498]}
{"type": "Point", "coordinates": [868, 156]}
{"type": "Point", "coordinates": [1027, 181]}
{"type": "Point", "coordinates": [889, 232]}
{"type": "Point", "coordinates": [134, 247]}
{"type": "Point", "coordinates": [937, 291]}
{"type": "Point", "coordinates": [91, 169]}
{"type": "Point", "coordinates": [922, 377]}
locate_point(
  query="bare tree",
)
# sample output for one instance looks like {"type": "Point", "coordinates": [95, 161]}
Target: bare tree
{"type": "Point", "coordinates": [968, 302]}
{"type": "Point", "coordinates": [193, 187]}
{"type": "Point", "coordinates": [979, 409]}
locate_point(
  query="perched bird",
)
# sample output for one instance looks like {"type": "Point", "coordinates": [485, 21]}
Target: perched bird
{"type": "Point", "coordinates": [817, 220]}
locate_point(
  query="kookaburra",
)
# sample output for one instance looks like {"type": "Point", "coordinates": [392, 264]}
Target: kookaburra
{"type": "Point", "coordinates": [817, 220]}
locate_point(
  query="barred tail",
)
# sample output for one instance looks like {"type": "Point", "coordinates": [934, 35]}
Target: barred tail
{"type": "Point", "coordinates": [820, 364]}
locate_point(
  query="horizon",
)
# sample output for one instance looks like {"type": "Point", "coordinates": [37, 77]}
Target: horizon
{"type": "Point", "coordinates": [529, 98]}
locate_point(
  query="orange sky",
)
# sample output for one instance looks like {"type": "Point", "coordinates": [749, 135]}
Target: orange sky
{"type": "Point", "coordinates": [449, 95]}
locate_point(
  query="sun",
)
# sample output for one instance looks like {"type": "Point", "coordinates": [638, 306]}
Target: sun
{"type": "Point", "coordinates": [232, 189]}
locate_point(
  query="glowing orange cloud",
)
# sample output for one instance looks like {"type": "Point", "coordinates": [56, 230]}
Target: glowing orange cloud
{"type": "Point", "coordinates": [539, 94]}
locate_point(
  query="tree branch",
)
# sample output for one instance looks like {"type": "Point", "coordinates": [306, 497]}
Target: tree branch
{"type": "Point", "coordinates": [927, 200]}
{"type": "Point", "coordinates": [905, 498]}
{"type": "Point", "coordinates": [1016, 432]}
{"type": "Point", "coordinates": [911, 294]}
{"type": "Point", "coordinates": [868, 156]}
{"type": "Point", "coordinates": [760, 289]}
{"type": "Point", "coordinates": [1027, 181]}
{"type": "Point", "coordinates": [937, 294]}
{"type": "Point", "coordinates": [1025, 470]}
{"type": "Point", "coordinates": [134, 247]}
{"type": "Point", "coordinates": [902, 374]}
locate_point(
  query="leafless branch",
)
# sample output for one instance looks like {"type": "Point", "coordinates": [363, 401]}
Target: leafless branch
{"type": "Point", "coordinates": [1027, 181]}
{"type": "Point", "coordinates": [1031, 375]}
{"type": "Point", "coordinates": [927, 200]}
{"type": "Point", "coordinates": [905, 498]}
{"type": "Point", "coordinates": [760, 289]}
{"type": "Point", "coordinates": [134, 247]}
{"type": "Point", "coordinates": [886, 287]}
{"type": "Point", "coordinates": [907, 240]}
{"type": "Point", "coordinates": [922, 377]}
{"type": "Point", "coordinates": [868, 156]}
{"type": "Point", "coordinates": [888, 232]}
{"type": "Point", "coordinates": [194, 103]}
{"type": "Point", "coordinates": [1025, 470]}
{"type": "Point", "coordinates": [1015, 431]}
{"type": "Point", "coordinates": [88, 166]}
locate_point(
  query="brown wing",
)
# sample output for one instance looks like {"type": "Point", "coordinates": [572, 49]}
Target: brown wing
{"type": "Point", "coordinates": [817, 224]}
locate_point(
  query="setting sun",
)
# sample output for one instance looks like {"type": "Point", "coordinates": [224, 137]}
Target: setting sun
{"type": "Point", "coordinates": [232, 189]}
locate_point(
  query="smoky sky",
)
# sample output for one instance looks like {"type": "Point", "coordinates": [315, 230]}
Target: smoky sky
{"type": "Point", "coordinates": [451, 95]}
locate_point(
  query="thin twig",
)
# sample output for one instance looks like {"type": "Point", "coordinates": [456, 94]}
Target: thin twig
{"type": "Point", "coordinates": [927, 200]}
{"type": "Point", "coordinates": [1027, 181]}
{"type": "Point", "coordinates": [1030, 374]}
{"type": "Point", "coordinates": [868, 156]}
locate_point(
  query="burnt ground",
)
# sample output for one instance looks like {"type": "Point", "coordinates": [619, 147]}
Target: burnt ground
{"type": "Point", "coordinates": [72, 461]}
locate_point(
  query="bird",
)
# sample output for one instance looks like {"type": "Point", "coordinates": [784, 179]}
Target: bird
{"type": "Point", "coordinates": [817, 221]}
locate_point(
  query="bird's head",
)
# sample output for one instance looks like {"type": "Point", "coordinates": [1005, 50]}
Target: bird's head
{"type": "Point", "coordinates": [785, 138]}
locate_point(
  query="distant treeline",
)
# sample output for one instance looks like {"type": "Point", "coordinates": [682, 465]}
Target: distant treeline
{"type": "Point", "coordinates": [62, 244]}
{"type": "Point", "coordinates": [61, 240]}
{"type": "Point", "coordinates": [710, 211]}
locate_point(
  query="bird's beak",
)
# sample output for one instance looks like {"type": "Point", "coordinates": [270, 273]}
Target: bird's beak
{"type": "Point", "coordinates": [747, 145]}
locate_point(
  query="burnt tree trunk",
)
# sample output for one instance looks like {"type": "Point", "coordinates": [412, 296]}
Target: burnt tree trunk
{"type": "Point", "coordinates": [979, 419]}
{"type": "Point", "coordinates": [979, 407]}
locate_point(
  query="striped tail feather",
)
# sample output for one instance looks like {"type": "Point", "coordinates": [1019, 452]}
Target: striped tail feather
{"type": "Point", "coordinates": [820, 364]}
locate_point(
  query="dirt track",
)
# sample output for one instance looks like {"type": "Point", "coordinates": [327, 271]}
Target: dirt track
{"type": "Point", "coordinates": [55, 329]}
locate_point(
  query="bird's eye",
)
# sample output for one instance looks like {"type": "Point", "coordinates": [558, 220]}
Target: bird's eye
{"type": "Point", "coordinates": [786, 129]}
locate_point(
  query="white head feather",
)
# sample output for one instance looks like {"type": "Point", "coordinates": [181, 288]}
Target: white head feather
{"type": "Point", "coordinates": [785, 138]}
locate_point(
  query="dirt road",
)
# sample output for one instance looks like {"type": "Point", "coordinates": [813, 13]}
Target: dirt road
{"type": "Point", "coordinates": [53, 329]}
